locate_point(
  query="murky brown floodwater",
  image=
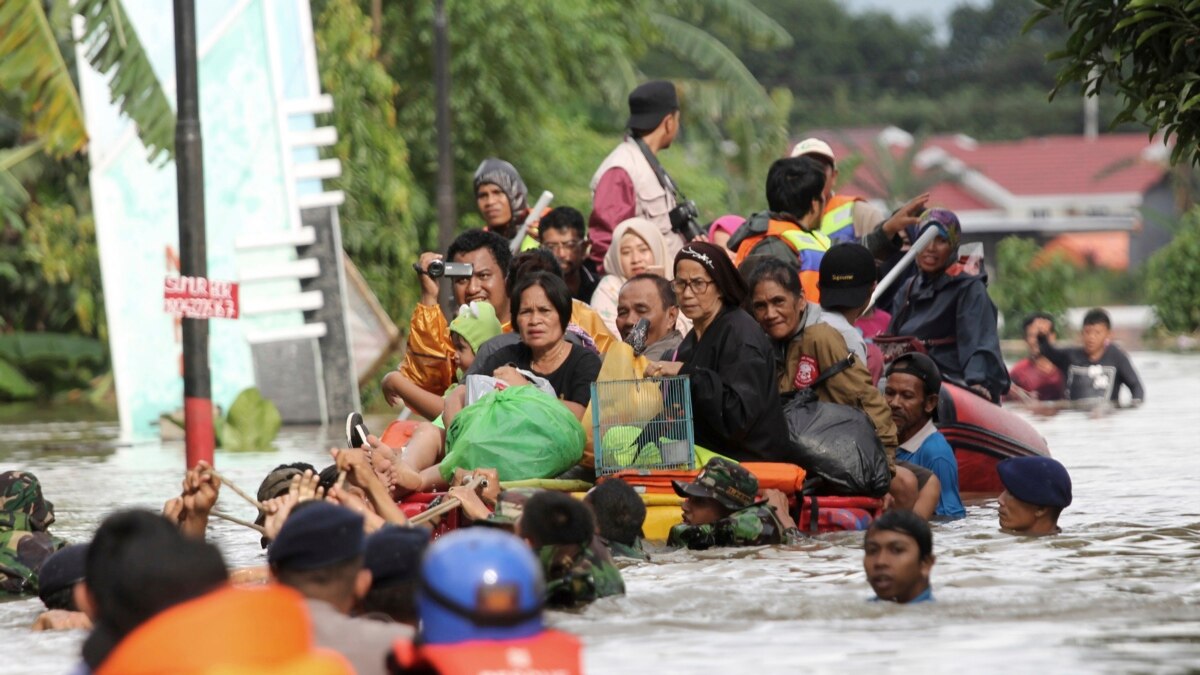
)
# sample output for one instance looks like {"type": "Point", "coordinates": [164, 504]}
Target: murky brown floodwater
{"type": "Point", "coordinates": [1119, 591]}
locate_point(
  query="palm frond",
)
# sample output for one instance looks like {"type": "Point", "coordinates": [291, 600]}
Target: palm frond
{"type": "Point", "coordinates": [697, 46]}
{"type": "Point", "coordinates": [753, 23]}
{"type": "Point", "coordinates": [113, 48]}
{"type": "Point", "coordinates": [31, 62]}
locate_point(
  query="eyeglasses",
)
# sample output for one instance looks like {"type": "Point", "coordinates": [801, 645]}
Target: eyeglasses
{"type": "Point", "coordinates": [555, 247]}
{"type": "Point", "coordinates": [698, 286]}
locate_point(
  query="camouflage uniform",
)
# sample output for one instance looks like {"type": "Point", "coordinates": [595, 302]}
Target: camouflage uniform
{"type": "Point", "coordinates": [624, 551]}
{"type": "Point", "coordinates": [24, 542]}
{"type": "Point", "coordinates": [752, 523]}
{"type": "Point", "coordinates": [577, 575]}
{"type": "Point", "coordinates": [752, 526]}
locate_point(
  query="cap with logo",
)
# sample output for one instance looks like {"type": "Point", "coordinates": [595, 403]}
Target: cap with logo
{"type": "Point", "coordinates": [723, 480]}
{"type": "Point", "coordinates": [847, 275]}
{"type": "Point", "coordinates": [814, 146]}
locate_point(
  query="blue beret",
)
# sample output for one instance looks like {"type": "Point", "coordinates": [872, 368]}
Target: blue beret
{"type": "Point", "coordinates": [394, 554]}
{"type": "Point", "coordinates": [1040, 481]}
{"type": "Point", "coordinates": [316, 535]}
{"type": "Point", "coordinates": [62, 569]}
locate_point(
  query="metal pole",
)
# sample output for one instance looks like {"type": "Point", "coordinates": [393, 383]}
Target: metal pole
{"type": "Point", "coordinates": [447, 218]}
{"type": "Point", "coordinates": [189, 180]}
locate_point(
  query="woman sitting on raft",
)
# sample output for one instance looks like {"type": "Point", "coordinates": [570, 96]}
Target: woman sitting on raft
{"type": "Point", "coordinates": [541, 310]}
{"type": "Point", "coordinates": [637, 248]}
{"type": "Point", "coordinates": [948, 309]}
{"type": "Point", "coordinates": [736, 406]}
{"type": "Point", "coordinates": [806, 348]}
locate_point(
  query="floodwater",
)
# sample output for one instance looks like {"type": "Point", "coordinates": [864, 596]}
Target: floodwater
{"type": "Point", "coordinates": [1118, 591]}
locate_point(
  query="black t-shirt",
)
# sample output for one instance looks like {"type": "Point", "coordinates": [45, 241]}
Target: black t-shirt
{"type": "Point", "coordinates": [573, 379]}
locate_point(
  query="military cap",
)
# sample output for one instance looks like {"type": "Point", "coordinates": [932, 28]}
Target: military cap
{"type": "Point", "coordinates": [1040, 481]}
{"type": "Point", "coordinates": [316, 535]}
{"type": "Point", "coordinates": [723, 480]}
{"type": "Point", "coordinates": [394, 554]}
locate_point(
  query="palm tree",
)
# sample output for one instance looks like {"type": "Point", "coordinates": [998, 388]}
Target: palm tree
{"type": "Point", "coordinates": [32, 62]}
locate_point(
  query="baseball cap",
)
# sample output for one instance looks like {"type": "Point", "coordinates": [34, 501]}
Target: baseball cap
{"type": "Point", "coordinates": [814, 146]}
{"type": "Point", "coordinates": [722, 480]}
{"type": "Point", "coordinates": [847, 275]}
{"type": "Point", "coordinates": [650, 102]}
{"type": "Point", "coordinates": [1040, 481]}
{"type": "Point", "coordinates": [919, 366]}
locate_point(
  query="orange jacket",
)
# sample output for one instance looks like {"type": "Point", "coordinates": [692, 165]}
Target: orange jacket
{"type": "Point", "coordinates": [263, 630]}
{"type": "Point", "coordinates": [548, 652]}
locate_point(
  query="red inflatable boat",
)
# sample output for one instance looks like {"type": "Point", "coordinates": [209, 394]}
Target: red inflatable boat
{"type": "Point", "coordinates": [982, 434]}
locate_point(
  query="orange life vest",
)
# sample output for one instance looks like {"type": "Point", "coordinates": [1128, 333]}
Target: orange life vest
{"type": "Point", "coordinates": [245, 630]}
{"type": "Point", "coordinates": [548, 652]}
{"type": "Point", "coordinates": [810, 247]}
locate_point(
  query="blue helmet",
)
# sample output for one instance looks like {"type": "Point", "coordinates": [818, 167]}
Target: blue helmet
{"type": "Point", "coordinates": [479, 584]}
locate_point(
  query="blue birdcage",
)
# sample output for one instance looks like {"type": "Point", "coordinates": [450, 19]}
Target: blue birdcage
{"type": "Point", "coordinates": [643, 424]}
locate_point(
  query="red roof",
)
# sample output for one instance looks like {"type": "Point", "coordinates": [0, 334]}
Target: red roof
{"type": "Point", "coordinates": [1061, 165]}
{"type": "Point", "coordinates": [1052, 165]}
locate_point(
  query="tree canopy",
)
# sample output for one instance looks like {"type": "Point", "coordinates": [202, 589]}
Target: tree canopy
{"type": "Point", "coordinates": [1146, 50]}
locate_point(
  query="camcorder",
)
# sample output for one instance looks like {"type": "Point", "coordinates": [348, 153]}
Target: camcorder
{"type": "Point", "coordinates": [685, 220]}
{"type": "Point", "coordinates": [441, 268]}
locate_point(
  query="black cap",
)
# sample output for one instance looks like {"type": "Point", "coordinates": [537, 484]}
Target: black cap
{"type": "Point", "coordinates": [919, 366]}
{"type": "Point", "coordinates": [317, 535]}
{"type": "Point", "coordinates": [61, 570]}
{"type": "Point", "coordinates": [1040, 481]}
{"type": "Point", "coordinates": [650, 103]}
{"type": "Point", "coordinates": [847, 275]}
{"type": "Point", "coordinates": [394, 554]}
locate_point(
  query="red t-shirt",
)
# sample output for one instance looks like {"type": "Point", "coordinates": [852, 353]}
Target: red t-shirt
{"type": "Point", "coordinates": [1047, 386]}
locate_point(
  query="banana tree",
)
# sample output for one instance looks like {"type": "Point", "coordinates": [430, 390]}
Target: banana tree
{"type": "Point", "coordinates": [32, 62]}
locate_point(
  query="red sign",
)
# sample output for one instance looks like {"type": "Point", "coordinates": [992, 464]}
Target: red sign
{"type": "Point", "coordinates": [200, 298]}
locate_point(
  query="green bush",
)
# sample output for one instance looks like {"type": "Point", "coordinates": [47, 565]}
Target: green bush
{"type": "Point", "coordinates": [1029, 281]}
{"type": "Point", "coordinates": [1173, 278]}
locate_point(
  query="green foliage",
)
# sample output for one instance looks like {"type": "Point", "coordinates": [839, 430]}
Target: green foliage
{"type": "Point", "coordinates": [1146, 50]}
{"type": "Point", "coordinates": [113, 48]}
{"type": "Point", "coordinates": [250, 425]}
{"type": "Point", "coordinates": [31, 63]}
{"type": "Point", "coordinates": [1028, 281]}
{"type": "Point", "coordinates": [383, 204]}
{"type": "Point", "coordinates": [1173, 278]}
{"type": "Point", "coordinates": [43, 364]}
{"type": "Point", "coordinates": [14, 386]}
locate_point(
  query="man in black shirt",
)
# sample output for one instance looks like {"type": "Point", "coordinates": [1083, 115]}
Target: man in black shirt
{"type": "Point", "coordinates": [1098, 369]}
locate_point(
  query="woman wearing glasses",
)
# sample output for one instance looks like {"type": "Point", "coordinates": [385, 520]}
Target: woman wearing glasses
{"type": "Point", "coordinates": [731, 363]}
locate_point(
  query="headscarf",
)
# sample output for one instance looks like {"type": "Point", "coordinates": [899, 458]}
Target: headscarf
{"type": "Point", "coordinates": [728, 223]}
{"type": "Point", "coordinates": [649, 233]}
{"type": "Point", "coordinates": [476, 323]}
{"type": "Point", "coordinates": [947, 224]}
{"type": "Point", "coordinates": [22, 506]}
{"type": "Point", "coordinates": [729, 281]}
{"type": "Point", "coordinates": [504, 176]}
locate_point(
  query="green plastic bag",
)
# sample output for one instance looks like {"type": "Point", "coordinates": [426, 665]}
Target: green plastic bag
{"type": "Point", "coordinates": [521, 432]}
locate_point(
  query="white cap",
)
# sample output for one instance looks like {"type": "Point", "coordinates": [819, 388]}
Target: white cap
{"type": "Point", "coordinates": [813, 146]}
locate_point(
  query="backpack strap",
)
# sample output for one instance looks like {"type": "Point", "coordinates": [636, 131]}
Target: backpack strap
{"type": "Point", "coordinates": [832, 370]}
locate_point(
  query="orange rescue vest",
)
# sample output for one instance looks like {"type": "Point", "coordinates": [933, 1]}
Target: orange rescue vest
{"type": "Point", "coordinates": [548, 652]}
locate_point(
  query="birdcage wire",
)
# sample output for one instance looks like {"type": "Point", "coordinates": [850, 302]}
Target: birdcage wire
{"type": "Point", "coordinates": [643, 424]}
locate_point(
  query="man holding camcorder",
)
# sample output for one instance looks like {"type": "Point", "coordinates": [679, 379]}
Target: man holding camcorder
{"type": "Point", "coordinates": [630, 182]}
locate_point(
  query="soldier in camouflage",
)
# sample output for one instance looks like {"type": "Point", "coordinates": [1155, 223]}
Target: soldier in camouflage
{"type": "Point", "coordinates": [577, 565]}
{"type": "Point", "coordinates": [25, 542]}
{"type": "Point", "coordinates": [721, 508]}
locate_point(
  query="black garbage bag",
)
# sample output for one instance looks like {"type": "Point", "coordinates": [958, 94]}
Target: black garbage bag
{"type": "Point", "coordinates": [837, 445]}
